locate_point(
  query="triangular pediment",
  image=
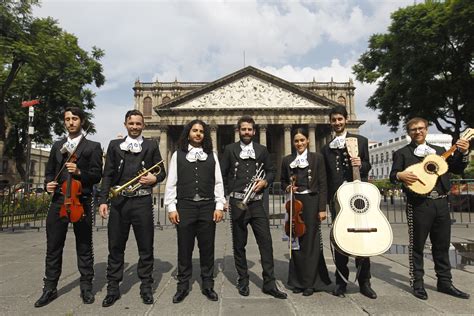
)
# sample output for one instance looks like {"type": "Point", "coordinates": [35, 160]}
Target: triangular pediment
{"type": "Point", "coordinates": [249, 88]}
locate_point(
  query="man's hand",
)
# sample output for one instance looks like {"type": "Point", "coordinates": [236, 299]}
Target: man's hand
{"type": "Point", "coordinates": [51, 186]}
{"type": "Point", "coordinates": [407, 177]}
{"type": "Point", "coordinates": [462, 145]}
{"type": "Point", "coordinates": [261, 184]}
{"type": "Point", "coordinates": [72, 168]}
{"type": "Point", "coordinates": [148, 179]}
{"type": "Point", "coordinates": [218, 215]}
{"type": "Point", "coordinates": [294, 188]}
{"type": "Point", "coordinates": [104, 210]}
{"type": "Point", "coordinates": [322, 215]}
{"type": "Point", "coordinates": [356, 162]}
{"type": "Point", "coordinates": [174, 217]}
{"type": "Point", "coordinates": [226, 206]}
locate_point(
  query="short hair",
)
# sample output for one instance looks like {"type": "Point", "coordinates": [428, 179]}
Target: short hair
{"type": "Point", "coordinates": [183, 141]}
{"type": "Point", "coordinates": [300, 130]}
{"type": "Point", "coordinates": [133, 112]}
{"type": "Point", "coordinates": [338, 109]}
{"type": "Point", "coordinates": [246, 119]}
{"type": "Point", "coordinates": [414, 121]}
{"type": "Point", "coordinates": [76, 111]}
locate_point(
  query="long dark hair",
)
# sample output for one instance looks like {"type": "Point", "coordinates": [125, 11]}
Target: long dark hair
{"type": "Point", "coordinates": [183, 141]}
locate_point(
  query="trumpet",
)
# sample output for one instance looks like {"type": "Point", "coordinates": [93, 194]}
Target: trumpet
{"type": "Point", "coordinates": [248, 191]}
{"type": "Point", "coordinates": [134, 184]}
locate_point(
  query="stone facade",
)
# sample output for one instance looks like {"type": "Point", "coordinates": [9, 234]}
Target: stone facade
{"type": "Point", "coordinates": [277, 106]}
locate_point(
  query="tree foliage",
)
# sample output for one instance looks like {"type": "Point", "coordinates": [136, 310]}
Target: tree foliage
{"type": "Point", "coordinates": [423, 66]}
{"type": "Point", "coordinates": [40, 61]}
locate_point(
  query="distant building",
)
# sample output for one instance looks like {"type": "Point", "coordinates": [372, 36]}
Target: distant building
{"type": "Point", "coordinates": [381, 154]}
{"type": "Point", "coordinates": [39, 159]}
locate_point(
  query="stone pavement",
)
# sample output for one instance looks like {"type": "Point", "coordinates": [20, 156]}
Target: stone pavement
{"type": "Point", "coordinates": [22, 267]}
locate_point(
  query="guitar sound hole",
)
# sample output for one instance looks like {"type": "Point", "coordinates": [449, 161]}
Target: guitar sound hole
{"type": "Point", "coordinates": [431, 167]}
{"type": "Point", "coordinates": [359, 204]}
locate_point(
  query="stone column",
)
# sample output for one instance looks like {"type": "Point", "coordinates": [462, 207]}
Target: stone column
{"type": "Point", "coordinates": [287, 139]}
{"type": "Point", "coordinates": [263, 135]}
{"type": "Point", "coordinates": [236, 134]}
{"type": "Point", "coordinates": [164, 144]}
{"type": "Point", "coordinates": [312, 137]}
{"type": "Point", "coordinates": [214, 137]}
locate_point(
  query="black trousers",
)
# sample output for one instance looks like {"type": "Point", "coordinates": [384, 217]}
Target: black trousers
{"type": "Point", "coordinates": [258, 219]}
{"type": "Point", "coordinates": [429, 217]}
{"type": "Point", "coordinates": [138, 213]}
{"type": "Point", "coordinates": [362, 264]}
{"type": "Point", "coordinates": [196, 222]}
{"type": "Point", "coordinates": [56, 230]}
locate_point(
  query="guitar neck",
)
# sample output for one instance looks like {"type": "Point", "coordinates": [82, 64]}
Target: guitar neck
{"type": "Point", "coordinates": [355, 173]}
{"type": "Point", "coordinates": [449, 152]}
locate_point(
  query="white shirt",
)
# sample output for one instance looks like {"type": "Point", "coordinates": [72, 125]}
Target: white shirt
{"type": "Point", "coordinates": [171, 195]}
{"type": "Point", "coordinates": [71, 144]}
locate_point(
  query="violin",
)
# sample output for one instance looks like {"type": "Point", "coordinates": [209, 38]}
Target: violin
{"type": "Point", "coordinates": [294, 209]}
{"type": "Point", "coordinates": [72, 209]}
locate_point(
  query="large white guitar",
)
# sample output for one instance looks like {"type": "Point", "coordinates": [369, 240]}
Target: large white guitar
{"type": "Point", "coordinates": [432, 167]}
{"type": "Point", "coordinates": [360, 228]}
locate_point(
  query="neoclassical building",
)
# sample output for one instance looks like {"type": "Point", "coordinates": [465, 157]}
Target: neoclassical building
{"type": "Point", "coordinates": [277, 106]}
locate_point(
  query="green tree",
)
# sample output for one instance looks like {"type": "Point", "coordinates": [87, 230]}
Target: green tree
{"type": "Point", "coordinates": [40, 61]}
{"type": "Point", "coordinates": [423, 66]}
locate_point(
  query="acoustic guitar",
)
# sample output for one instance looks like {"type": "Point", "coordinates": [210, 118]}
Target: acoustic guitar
{"type": "Point", "coordinates": [432, 167]}
{"type": "Point", "coordinates": [360, 228]}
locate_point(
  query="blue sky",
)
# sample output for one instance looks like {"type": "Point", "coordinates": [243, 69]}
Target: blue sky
{"type": "Point", "coordinates": [205, 40]}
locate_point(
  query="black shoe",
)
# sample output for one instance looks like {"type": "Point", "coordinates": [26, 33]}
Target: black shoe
{"type": "Point", "coordinates": [180, 296]}
{"type": "Point", "coordinates": [147, 298]}
{"type": "Point", "coordinates": [297, 290]}
{"type": "Point", "coordinates": [420, 293]}
{"type": "Point", "coordinates": [210, 294]}
{"type": "Point", "coordinates": [276, 293]}
{"type": "Point", "coordinates": [110, 300]}
{"type": "Point", "coordinates": [87, 296]}
{"type": "Point", "coordinates": [366, 290]}
{"type": "Point", "coordinates": [339, 290]}
{"type": "Point", "coordinates": [243, 289]}
{"type": "Point", "coordinates": [451, 290]}
{"type": "Point", "coordinates": [308, 292]}
{"type": "Point", "coordinates": [47, 297]}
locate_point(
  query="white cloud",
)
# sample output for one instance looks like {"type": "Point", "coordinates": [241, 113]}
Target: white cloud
{"type": "Point", "coordinates": [204, 40]}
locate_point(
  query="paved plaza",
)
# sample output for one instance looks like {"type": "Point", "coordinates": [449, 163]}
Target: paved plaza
{"type": "Point", "coordinates": [22, 266]}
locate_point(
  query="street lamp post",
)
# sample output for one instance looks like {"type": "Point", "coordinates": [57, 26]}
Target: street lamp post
{"type": "Point", "coordinates": [31, 130]}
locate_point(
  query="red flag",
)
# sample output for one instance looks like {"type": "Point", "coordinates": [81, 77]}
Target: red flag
{"type": "Point", "coordinates": [26, 104]}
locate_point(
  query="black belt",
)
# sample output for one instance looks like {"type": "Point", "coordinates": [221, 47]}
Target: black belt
{"type": "Point", "coordinates": [197, 198]}
{"type": "Point", "coordinates": [434, 195]}
{"type": "Point", "coordinates": [139, 192]}
{"type": "Point", "coordinates": [241, 196]}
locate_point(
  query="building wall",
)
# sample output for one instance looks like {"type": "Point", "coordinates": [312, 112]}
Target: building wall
{"type": "Point", "coordinates": [381, 154]}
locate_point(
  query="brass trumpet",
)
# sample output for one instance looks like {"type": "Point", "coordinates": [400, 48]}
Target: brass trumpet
{"type": "Point", "coordinates": [133, 185]}
{"type": "Point", "coordinates": [248, 191]}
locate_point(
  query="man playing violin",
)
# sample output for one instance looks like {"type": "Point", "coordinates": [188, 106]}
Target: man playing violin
{"type": "Point", "coordinates": [428, 214]}
{"type": "Point", "coordinates": [239, 164]}
{"type": "Point", "coordinates": [125, 159]}
{"type": "Point", "coordinates": [87, 169]}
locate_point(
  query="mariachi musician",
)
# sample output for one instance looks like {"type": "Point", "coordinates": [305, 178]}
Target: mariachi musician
{"type": "Point", "coordinates": [339, 169]}
{"type": "Point", "coordinates": [125, 159]}
{"type": "Point", "coordinates": [239, 165]}
{"type": "Point", "coordinates": [428, 214]}
{"type": "Point", "coordinates": [87, 170]}
{"type": "Point", "coordinates": [307, 268]}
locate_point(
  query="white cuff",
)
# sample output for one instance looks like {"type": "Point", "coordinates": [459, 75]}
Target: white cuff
{"type": "Point", "coordinates": [219, 206]}
{"type": "Point", "coordinates": [171, 208]}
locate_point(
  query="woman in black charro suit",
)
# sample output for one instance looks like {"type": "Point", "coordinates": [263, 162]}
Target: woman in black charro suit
{"type": "Point", "coordinates": [307, 269]}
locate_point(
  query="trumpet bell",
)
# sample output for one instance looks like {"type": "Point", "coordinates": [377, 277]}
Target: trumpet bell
{"type": "Point", "coordinates": [242, 206]}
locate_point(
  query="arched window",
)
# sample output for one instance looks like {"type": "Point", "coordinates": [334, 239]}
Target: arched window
{"type": "Point", "coordinates": [341, 100]}
{"type": "Point", "coordinates": [166, 99]}
{"type": "Point", "coordinates": [147, 106]}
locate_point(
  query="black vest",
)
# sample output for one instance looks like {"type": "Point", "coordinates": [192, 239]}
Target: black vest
{"type": "Point", "coordinates": [301, 178]}
{"type": "Point", "coordinates": [195, 177]}
{"type": "Point", "coordinates": [243, 172]}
